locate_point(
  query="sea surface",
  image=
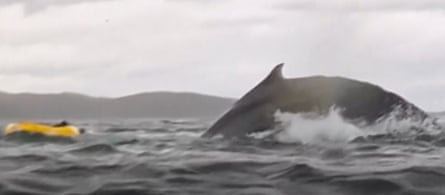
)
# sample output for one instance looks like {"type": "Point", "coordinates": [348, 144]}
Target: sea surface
{"type": "Point", "coordinates": [168, 157]}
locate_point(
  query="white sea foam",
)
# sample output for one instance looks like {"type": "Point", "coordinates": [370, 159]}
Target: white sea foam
{"type": "Point", "coordinates": [333, 128]}
{"type": "Point", "coordinates": [311, 128]}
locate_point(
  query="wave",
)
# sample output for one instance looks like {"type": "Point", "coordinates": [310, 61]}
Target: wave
{"type": "Point", "coordinates": [230, 177]}
{"type": "Point", "coordinates": [411, 180]}
{"type": "Point", "coordinates": [117, 159]}
{"type": "Point", "coordinates": [99, 148]}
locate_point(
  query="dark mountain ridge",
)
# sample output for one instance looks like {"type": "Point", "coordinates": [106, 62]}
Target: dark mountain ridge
{"type": "Point", "coordinates": [149, 104]}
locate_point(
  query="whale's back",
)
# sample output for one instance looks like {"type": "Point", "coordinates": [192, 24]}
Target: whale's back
{"type": "Point", "coordinates": [357, 99]}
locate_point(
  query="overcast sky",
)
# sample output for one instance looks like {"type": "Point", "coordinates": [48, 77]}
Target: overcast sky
{"type": "Point", "coordinates": [220, 47]}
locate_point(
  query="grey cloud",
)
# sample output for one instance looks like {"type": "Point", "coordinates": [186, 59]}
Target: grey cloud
{"type": "Point", "coordinates": [33, 6]}
{"type": "Point", "coordinates": [150, 45]}
{"type": "Point", "coordinates": [50, 71]}
{"type": "Point", "coordinates": [361, 6]}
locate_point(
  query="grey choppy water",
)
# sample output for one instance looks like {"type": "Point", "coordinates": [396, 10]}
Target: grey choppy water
{"type": "Point", "coordinates": [168, 157]}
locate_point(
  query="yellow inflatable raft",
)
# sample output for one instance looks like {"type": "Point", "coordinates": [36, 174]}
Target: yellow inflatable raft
{"type": "Point", "coordinates": [30, 127]}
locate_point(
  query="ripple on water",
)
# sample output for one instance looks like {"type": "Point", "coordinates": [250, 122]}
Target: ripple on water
{"type": "Point", "coordinates": [168, 158]}
{"type": "Point", "coordinates": [98, 148]}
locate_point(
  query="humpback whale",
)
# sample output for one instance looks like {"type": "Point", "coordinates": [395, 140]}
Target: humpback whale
{"type": "Point", "coordinates": [356, 100]}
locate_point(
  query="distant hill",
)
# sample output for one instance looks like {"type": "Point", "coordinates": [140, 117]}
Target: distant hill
{"type": "Point", "coordinates": [71, 105]}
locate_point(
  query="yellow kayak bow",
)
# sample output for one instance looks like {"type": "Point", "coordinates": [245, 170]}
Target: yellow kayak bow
{"type": "Point", "coordinates": [30, 127]}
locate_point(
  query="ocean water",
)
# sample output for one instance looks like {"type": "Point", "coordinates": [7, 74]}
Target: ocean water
{"type": "Point", "coordinates": [167, 156]}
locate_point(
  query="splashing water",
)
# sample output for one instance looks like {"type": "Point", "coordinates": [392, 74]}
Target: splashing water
{"type": "Point", "coordinates": [313, 128]}
{"type": "Point", "coordinates": [408, 126]}
{"type": "Point", "coordinates": [308, 128]}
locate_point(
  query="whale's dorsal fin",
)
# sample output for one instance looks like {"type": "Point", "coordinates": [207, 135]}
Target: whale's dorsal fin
{"type": "Point", "coordinates": [276, 73]}
{"type": "Point", "coordinates": [274, 78]}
